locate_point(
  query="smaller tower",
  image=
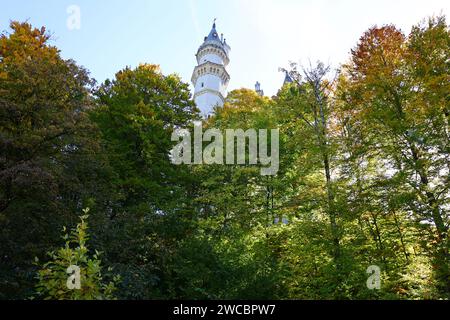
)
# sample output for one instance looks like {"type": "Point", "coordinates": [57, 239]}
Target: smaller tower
{"type": "Point", "coordinates": [258, 89]}
{"type": "Point", "coordinates": [287, 78]}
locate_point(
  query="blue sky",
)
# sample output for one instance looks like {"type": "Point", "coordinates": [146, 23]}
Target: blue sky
{"type": "Point", "coordinates": [263, 34]}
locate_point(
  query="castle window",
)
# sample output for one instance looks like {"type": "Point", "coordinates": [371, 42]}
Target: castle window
{"type": "Point", "coordinates": [203, 84]}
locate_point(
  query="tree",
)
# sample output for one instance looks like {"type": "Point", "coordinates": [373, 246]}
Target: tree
{"type": "Point", "coordinates": [54, 281]}
{"type": "Point", "coordinates": [401, 106]}
{"type": "Point", "coordinates": [312, 104]}
{"type": "Point", "coordinates": [363, 179]}
{"type": "Point", "coordinates": [149, 204]}
{"type": "Point", "coordinates": [43, 131]}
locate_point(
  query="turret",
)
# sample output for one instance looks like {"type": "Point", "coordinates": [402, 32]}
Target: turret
{"type": "Point", "coordinates": [210, 77]}
{"type": "Point", "coordinates": [258, 89]}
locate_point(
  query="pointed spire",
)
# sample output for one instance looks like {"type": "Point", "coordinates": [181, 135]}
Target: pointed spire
{"type": "Point", "coordinates": [215, 39]}
{"type": "Point", "coordinates": [213, 35]}
{"type": "Point", "coordinates": [287, 78]}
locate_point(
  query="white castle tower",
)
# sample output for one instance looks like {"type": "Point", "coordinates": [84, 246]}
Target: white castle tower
{"type": "Point", "coordinates": [210, 78]}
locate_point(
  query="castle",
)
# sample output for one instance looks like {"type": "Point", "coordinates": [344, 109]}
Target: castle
{"type": "Point", "coordinates": [210, 77]}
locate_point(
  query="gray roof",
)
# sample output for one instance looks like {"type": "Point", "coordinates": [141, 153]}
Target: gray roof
{"type": "Point", "coordinates": [213, 38]}
{"type": "Point", "coordinates": [213, 35]}
{"type": "Point", "coordinates": [287, 78]}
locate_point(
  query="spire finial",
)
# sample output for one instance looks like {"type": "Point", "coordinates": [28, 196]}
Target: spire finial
{"type": "Point", "coordinates": [214, 22]}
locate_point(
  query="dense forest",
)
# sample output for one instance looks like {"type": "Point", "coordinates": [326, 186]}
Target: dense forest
{"type": "Point", "coordinates": [86, 179]}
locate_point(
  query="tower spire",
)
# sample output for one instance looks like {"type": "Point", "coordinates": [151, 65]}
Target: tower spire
{"type": "Point", "coordinates": [287, 77]}
{"type": "Point", "coordinates": [210, 77]}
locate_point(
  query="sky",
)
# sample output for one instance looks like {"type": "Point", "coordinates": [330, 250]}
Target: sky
{"type": "Point", "coordinates": [264, 35]}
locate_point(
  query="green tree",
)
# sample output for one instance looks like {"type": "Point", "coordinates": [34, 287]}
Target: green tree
{"type": "Point", "coordinates": [53, 278]}
{"type": "Point", "coordinates": [149, 204]}
{"type": "Point", "coordinates": [44, 135]}
{"type": "Point", "coordinates": [398, 105]}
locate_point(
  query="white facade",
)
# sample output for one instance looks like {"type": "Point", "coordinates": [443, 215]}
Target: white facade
{"type": "Point", "coordinates": [210, 78]}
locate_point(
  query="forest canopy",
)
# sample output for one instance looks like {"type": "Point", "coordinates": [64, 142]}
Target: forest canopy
{"type": "Point", "coordinates": [86, 178]}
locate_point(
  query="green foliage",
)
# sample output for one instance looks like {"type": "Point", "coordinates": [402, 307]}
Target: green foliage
{"type": "Point", "coordinates": [237, 265]}
{"type": "Point", "coordinates": [53, 276]}
{"type": "Point", "coordinates": [136, 115]}
{"type": "Point", "coordinates": [397, 106]}
{"type": "Point", "coordinates": [48, 153]}
{"type": "Point", "coordinates": [363, 179]}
